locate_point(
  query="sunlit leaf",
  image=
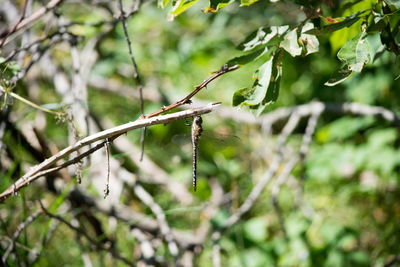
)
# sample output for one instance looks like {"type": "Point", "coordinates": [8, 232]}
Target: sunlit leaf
{"type": "Point", "coordinates": [291, 44]}
{"type": "Point", "coordinates": [395, 3]}
{"type": "Point", "coordinates": [215, 5]}
{"type": "Point", "coordinates": [356, 52]}
{"type": "Point", "coordinates": [273, 89]}
{"type": "Point", "coordinates": [242, 60]}
{"type": "Point", "coordinates": [182, 6]}
{"type": "Point", "coordinates": [255, 229]}
{"type": "Point", "coordinates": [220, 218]}
{"type": "Point", "coordinates": [162, 3]}
{"type": "Point", "coordinates": [265, 89]}
{"type": "Point", "coordinates": [263, 37]}
{"type": "Point", "coordinates": [346, 22]}
{"type": "Point", "coordinates": [339, 77]}
{"type": "Point", "coordinates": [309, 41]}
{"type": "Point", "coordinates": [262, 76]}
{"type": "Point", "coordinates": [247, 2]}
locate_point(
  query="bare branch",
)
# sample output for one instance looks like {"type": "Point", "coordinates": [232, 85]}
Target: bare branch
{"type": "Point", "coordinates": [111, 134]}
{"type": "Point", "coordinates": [135, 67]}
{"type": "Point", "coordinates": [97, 244]}
{"type": "Point", "coordinates": [145, 245]}
{"type": "Point", "coordinates": [20, 228]}
{"type": "Point", "coordinates": [197, 89]}
{"type": "Point", "coordinates": [305, 110]}
{"type": "Point", "coordinates": [216, 258]}
{"type": "Point", "coordinates": [138, 220]}
{"type": "Point", "coordinates": [35, 16]}
{"type": "Point", "coordinates": [249, 202]}
{"type": "Point", "coordinates": [282, 179]}
{"type": "Point", "coordinates": [107, 148]}
{"type": "Point", "coordinates": [16, 25]}
{"type": "Point", "coordinates": [157, 210]}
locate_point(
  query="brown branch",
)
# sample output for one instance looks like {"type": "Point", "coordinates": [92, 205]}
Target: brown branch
{"type": "Point", "coordinates": [165, 230]}
{"type": "Point", "coordinates": [128, 41]}
{"type": "Point", "coordinates": [35, 16]}
{"type": "Point", "coordinates": [107, 148]}
{"type": "Point", "coordinates": [20, 228]}
{"type": "Point", "coordinates": [78, 230]}
{"type": "Point", "coordinates": [185, 239]}
{"type": "Point", "coordinates": [135, 67]}
{"type": "Point", "coordinates": [111, 134]}
{"type": "Point", "coordinates": [268, 175]}
{"type": "Point", "coordinates": [16, 24]}
{"type": "Point", "coordinates": [197, 89]}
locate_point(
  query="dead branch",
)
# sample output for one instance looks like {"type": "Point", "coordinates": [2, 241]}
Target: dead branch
{"type": "Point", "coordinates": [94, 242]}
{"type": "Point", "coordinates": [186, 99]}
{"type": "Point", "coordinates": [35, 16]}
{"type": "Point", "coordinates": [165, 230]}
{"type": "Point", "coordinates": [20, 228]}
{"type": "Point", "coordinates": [269, 174]}
{"type": "Point", "coordinates": [111, 134]}
{"type": "Point", "coordinates": [136, 220]}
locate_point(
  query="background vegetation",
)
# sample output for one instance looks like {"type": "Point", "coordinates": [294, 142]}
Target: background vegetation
{"type": "Point", "coordinates": [302, 171]}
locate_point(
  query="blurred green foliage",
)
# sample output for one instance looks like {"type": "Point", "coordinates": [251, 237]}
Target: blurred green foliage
{"type": "Point", "coordinates": [350, 179]}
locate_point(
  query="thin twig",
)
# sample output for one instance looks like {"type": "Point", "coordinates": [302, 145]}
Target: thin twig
{"type": "Point", "coordinates": [276, 189]}
{"type": "Point", "coordinates": [165, 230]}
{"type": "Point", "coordinates": [35, 16]}
{"type": "Point", "coordinates": [107, 148]}
{"type": "Point", "coordinates": [133, 218]}
{"type": "Point", "coordinates": [282, 179]}
{"type": "Point", "coordinates": [20, 228]}
{"type": "Point", "coordinates": [186, 99]}
{"type": "Point", "coordinates": [269, 174]}
{"type": "Point", "coordinates": [216, 258]}
{"type": "Point", "coordinates": [145, 245]}
{"type": "Point", "coordinates": [111, 134]}
{"type": "Point", "coordinates": [309, 132]}
{"type": "Point", "coordinates": [128, 41]}
{"type": "Point", "coordinates": [135, 67]}
{"type": "Point", "coordinates": [78, 230]}
{"type": "Point", "coordinates": [16, 24]}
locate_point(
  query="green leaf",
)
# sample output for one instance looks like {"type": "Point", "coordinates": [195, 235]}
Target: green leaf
{"type": "Point", "coordinates": [395, 3]}
{"type": "Point", "coordinates": [296, 225]}
{"type": "Point", "coordinates": [263, 37]}
{"type": "Point", "coordinates": [339, 77]}
{"type": "Point", "coordinates": [291, 44]}
{"type": "Point", "coordinates": [162, 3]}
{"type": "Point", "coordinates": [343, 128]}
{"type": "Point", "coordinates": [265, 89]}
{"type": "Point", "coordinates": [377, 24]}
{"type": "Point", "coordinates": [242, 60]}
{"type": "Point", "coordinates": [255, 229]}
{"type": "Point", "coordinates": [262, 76]}
{"type": "Point", "coordinates": [61, 198]}
{"type": "Point", "coordinates": [220, 218]}
{"type": "Point", "coordinates": [356, 52]}
{"type": "Point", "coordinates": [215, 5]}
{"type": "Point", "coordinates": [273, 89]}
{"type": "Point", "coordinates": [247, 2]}
{"type": "Point", "coordinates": [240, 96]}
{"type": "Point", "coordinates": [346, 22]}
{"type": "Point", "coordinates": [309, 42]}
{"type": "Point", "coordinates": [181, 6]}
